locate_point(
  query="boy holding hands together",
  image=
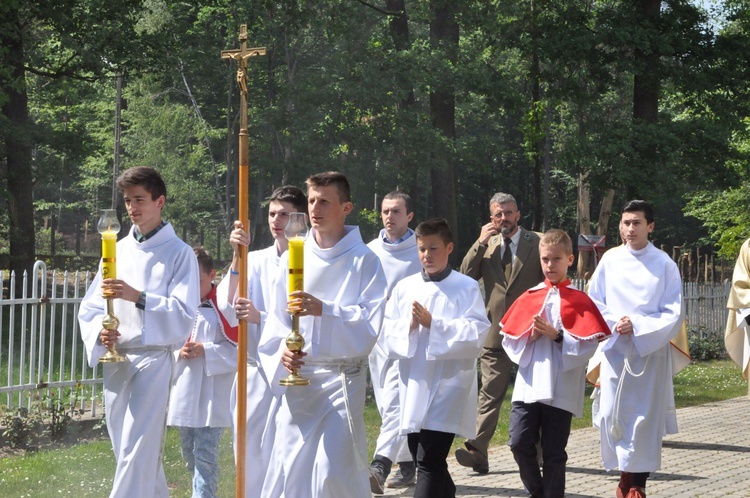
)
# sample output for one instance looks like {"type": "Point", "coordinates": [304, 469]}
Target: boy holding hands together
{"type": "Point", "coordinates": [550, 331]}
{"type": "Point", "coordinates": [436, 325]}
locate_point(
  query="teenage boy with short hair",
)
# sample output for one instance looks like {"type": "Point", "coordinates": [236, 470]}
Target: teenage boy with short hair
{"type": "Point", "coordinates": [262, 271]}
{"type": "Point", "coordinates": [396, 246]}
{"type": "Point", "coordinates": [638, 290]}
{"type": "Point", "coordinates": [320, 447]}
{"type": "Point", "coordinates": [155, 300]}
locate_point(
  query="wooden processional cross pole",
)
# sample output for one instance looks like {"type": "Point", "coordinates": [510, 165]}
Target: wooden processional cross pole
{"type": "Point", "coordinates": [241, 55]}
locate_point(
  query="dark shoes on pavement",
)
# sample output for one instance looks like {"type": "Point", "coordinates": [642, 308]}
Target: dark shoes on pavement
{"type": "Point", "coordinates": [405, 476]}
{"type": "Point", "coordinates": [471, 457]}
{"type": "Point", "coordinates": [378, 472]}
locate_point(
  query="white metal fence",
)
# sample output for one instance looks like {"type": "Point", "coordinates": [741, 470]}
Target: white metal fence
{"type": "Point", "coordinates": [41, 352]}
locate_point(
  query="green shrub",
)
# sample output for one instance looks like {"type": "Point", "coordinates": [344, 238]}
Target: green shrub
{"type": "Point", "coordinates": [49, 415]}
{"type": "Point", "coordinates": [706, 345]}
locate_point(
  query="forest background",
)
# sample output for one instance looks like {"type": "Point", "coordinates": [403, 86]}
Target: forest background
{"type": "Point", "coordinates": [572, 106]}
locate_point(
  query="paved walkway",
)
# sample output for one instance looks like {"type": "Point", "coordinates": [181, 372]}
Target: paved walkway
{"type": "Point", "coordinates": [710, 457]}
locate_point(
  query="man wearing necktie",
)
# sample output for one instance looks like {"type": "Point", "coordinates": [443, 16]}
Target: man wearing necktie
{"type": "Point", "coordinates": [506, 258]}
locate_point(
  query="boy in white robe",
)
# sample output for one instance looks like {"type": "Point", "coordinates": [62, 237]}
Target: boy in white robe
{"type": "Point", "coordinates": [320, 448]}
{"type": "Point", "coordinates": [550, 332]}
{"type": "Point", "coordinates": [396, 246]}
{"type": "Point", "coordinates": [202, 384]}
{"type": "Point", "coordinates": [262, 271]}
{"type": "Point", "coordinates": [436, 325]}
{"type": "Point", "coordinates": [156, 302]}
{"type": "Point", "coordinates": [638, 290]}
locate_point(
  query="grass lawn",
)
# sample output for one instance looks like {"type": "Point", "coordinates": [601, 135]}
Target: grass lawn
{"type": "Point", "coordinates": [86, 469]}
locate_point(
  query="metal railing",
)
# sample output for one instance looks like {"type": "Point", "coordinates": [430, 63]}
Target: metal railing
{"type": "Point", "coordinates": [41, 351]}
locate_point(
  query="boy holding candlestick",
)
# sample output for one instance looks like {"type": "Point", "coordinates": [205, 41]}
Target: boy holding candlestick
{"type": "Point", "coordinates": [156, 304]}
{"type": "Point", "coordinates": [320, 446]}
{"type": "Point", "coordinates": [262, 270]}
{"type": "Point", "coordinates": [435, 325]}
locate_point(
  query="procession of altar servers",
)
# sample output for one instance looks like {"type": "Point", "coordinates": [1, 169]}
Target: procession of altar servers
{"type": "Point", "coordinates": [310, 441]}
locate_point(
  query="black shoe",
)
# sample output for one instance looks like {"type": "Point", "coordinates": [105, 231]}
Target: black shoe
{"type": "Point", "coordinates": [377, 477]}
{"type": "Point", "coordinates": [470, 457]}
{"type": "Point", "coordinates": [405, 476]}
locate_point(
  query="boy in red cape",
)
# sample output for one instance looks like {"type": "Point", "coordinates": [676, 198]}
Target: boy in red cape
{"type": "Point", "coordinates": [550, 331]}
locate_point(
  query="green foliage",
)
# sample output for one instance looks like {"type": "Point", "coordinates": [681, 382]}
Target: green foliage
{"type": "Point", "coordinates": [369, 222]}
{"type": "Point", "coordinates": [49, 416]}
{"type": "Point", "coordinates": [43, 241]}
{"type": "Point", "coordinates": [726, 216]}
{"type": "Point", "coordinates": [19, 426]}
{"type": "Point", "coordinates": [705, 345]}
{"type": "Point", "coordinates": [340, 88]}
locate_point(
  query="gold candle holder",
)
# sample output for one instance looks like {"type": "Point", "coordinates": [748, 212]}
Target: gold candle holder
{"type": "Point", "coordinates": [109, 227]}
{"type": "Point", "coordinates": [296, 231]}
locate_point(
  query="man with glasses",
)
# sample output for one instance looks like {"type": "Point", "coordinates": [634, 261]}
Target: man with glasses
{"type": "Point", "coordinates": [506, 258]}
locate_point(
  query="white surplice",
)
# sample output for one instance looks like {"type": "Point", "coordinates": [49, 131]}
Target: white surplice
{"type": "Point", "coordinates": [399, 261]}
{"type": "Point", "coordinates": [320, 447]}
{"type": "Point", "coordinates": [202, 386]}
{"type": "Point", "coordinates": [437, 366]}
{"type": "Point", "coordinates": [636, 406]}
{"type": "Point", "coordinates": [136, 391]}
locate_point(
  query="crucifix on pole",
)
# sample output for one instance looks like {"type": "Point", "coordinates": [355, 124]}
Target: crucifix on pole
{"type": "Point", "coordinates": [241, 55]}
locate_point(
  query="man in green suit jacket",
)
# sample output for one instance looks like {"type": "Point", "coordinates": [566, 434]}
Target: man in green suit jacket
{"type": "Point", "coordinates": [506, 275]}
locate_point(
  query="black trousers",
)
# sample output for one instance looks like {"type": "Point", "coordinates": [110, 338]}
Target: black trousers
{"type": "Point", "coordinates": [527, 421]}
{"type": "Point", "coordinates": [430, 449]}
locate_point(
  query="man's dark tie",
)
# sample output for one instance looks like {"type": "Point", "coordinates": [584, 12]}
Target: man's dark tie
{"type": "Point", "coordinates": [507, 260]}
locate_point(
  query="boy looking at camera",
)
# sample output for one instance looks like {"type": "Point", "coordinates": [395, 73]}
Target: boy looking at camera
{"type": "Point", "coordinates": [435, 325]}
{"type": "Point", "coordinates": [550, 331]}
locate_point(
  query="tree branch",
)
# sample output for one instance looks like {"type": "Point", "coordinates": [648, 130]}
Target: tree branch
{"type": "Point", "coordinates": [382, 11]}
{"type": "Point", "coordinates": [64, 70]}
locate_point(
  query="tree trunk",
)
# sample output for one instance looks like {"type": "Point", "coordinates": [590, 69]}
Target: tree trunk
{"type": "Point", "coordinates": [646, 78]}
{"type": "Point", "coordinates": [605, 212]}
{"type": "Point", "coordinates": [537, 126]}
{"type": "Point", "coordinates": [399, 29]}
{"type": "Point", "coordinates": [646, 82]}
{"type": "Point", "coordinates": [17, 138]}
{"type": "Point", "coordinates": [583, 215]}
{"type": "Point", "coordinates": [444, 38]}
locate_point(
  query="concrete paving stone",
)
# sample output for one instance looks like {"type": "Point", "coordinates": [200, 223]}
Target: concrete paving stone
{"type": "Point", "coordinates": [710, 457]}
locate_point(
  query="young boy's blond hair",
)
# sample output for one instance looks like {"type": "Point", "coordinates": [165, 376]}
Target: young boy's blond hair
{"type": "Point", "coordinates": [556, 236]}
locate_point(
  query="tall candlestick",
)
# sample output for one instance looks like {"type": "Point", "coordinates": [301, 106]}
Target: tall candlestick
{"type": "Point", "coordinates": [109, 226]}
{"type": "Point", "coordinates": [295, 231]}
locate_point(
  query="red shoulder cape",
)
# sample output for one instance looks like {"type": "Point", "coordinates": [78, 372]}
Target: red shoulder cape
{"type": "Point", "coordinates": [579, 315]}
{"type": "Point", "coordinates": [231, 333]}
